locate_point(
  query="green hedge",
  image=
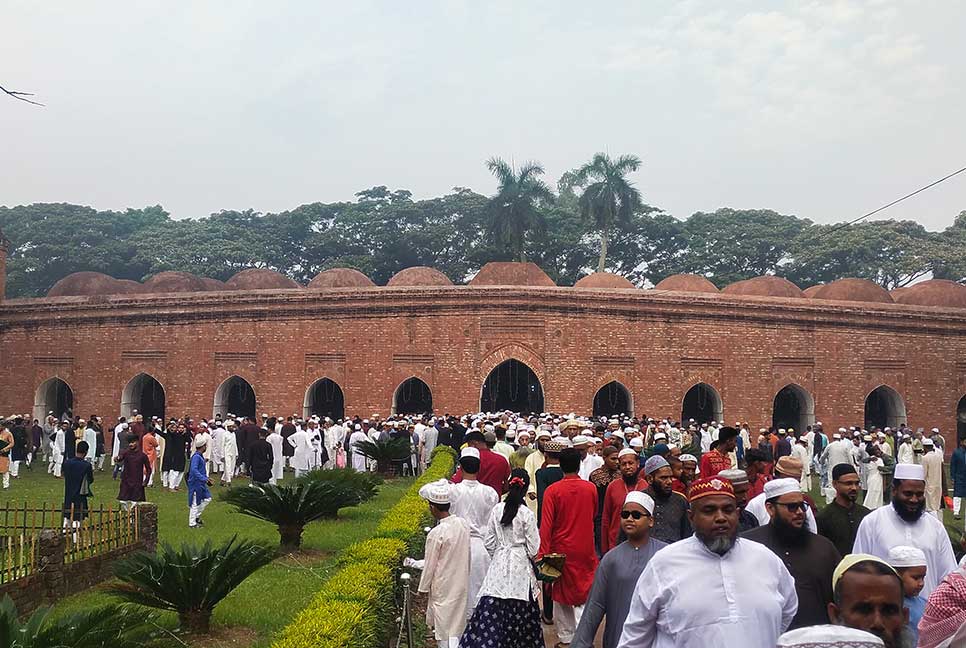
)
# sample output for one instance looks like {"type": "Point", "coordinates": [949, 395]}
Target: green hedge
{"type": "Point", "coordinates": [354, 608]}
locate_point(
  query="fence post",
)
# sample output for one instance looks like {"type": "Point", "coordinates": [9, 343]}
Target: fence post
{"type": "Point", "coordinates": [148, 525]}
{"type": "Point", "coordinates": [50, 564]}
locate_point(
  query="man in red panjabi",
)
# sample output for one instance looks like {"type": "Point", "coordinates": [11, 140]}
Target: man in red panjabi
{"type": "Point", "coordinates": [494, 468]}
{"type": "Point", "coordinates": [720, 456]}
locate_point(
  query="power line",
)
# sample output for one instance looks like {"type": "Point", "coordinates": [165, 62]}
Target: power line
{"type": "Point", "coordinates": [894, 202]}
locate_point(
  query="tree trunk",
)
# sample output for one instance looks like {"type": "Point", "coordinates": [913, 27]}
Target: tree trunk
{"type": "Point", "coordinates": [603, 249]}
{"type": "Point", "coordinates": [290, 536]}
{"type": "Point", "coordinates": [195, 621]}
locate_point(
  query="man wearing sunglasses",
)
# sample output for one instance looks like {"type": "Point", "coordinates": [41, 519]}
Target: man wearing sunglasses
{"type": "Point", "coordinates": [617, 574]}
{"type": "Point", "coordinates": [809, 557]}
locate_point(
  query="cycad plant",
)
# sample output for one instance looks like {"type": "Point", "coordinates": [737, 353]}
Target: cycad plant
{"type": "Point", "coordinates": [361, 486]}
{"type": "Point", "coordinates": [190, 580]}
{"type": "Point", "coordinates": [291, 506]}
{"type": "Point", "coordinates": [114, 626]}
{"type": "Point", "coordinates": [384, 453]}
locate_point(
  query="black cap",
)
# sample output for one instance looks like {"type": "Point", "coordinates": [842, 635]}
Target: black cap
{"type": "Point", "coordinates": [842, 469]}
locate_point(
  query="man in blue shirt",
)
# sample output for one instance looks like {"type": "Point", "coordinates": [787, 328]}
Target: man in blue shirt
{"type": "Point", "coordinates": [198, 494]}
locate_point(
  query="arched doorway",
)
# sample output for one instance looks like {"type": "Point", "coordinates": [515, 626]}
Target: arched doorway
{"type": "Point", "coordinates": [884, 407]}
{"type": "Point", "coordinates": [961, 420]}
{"type": "Point", "coordinates": [793, 408]}
{"type": "Point", "coordinates": [324, 398]}
{"type": "Point", "coordinates": [702, 403]}
{"type": "Point", "coordinates": [512, 386]}
{"type": "Point", "coordinates": [412, 396]}
{"type": "Point", "coordinates": [612, 399]}
{"type": "Point", "coordinates": [53, 396]}
{"type": "Point", "coordinates": [235, 396]}
{"type": "Point", "coordinates": [144, 394]}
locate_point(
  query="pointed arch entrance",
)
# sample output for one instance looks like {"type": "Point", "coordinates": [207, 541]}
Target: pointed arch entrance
{"type": "Point", "coordinates": [53, 396]}
{"type": "Point", "coordinates": [793, 407]}
{"type": "Point", "coordinates": [412, 396]}
{"type": "Point", "coordinates": [702, 403]}
{"type": "Point", "coordinates": [612, 399]}
{"type": "Point", "coordinates": [235, 396]}
{"type": "Point", "coordinates": [513, 386]}
{"type": "Point", "coordinates": [324, 398]}
{"type": "Point", "coordinates": [961, 419]}
{"type": "Point", "coordinates": [145, 394]}
{"type": "Point", "coordinates": [884, 407]}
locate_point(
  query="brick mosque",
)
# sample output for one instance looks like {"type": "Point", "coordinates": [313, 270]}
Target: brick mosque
{"type": "Point", "coordinates": [760, 350]}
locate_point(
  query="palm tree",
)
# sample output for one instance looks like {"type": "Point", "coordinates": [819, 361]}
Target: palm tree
{"type": "Point", "coordinates": [610, 199]}
{"type": "Point", "coordinates": [291, 506]}
{"type": "Point", "coordinates": [191, 580]}
{"type": "Point", "coordinates": [118, 626]}
{"type": "Point", "coordinates": [386, 453]}
{"type": "Point", "coordinates": [515, 209]}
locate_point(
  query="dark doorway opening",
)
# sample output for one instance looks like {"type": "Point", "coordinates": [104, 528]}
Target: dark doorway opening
{"type": "Point", "coordinates": [512, 386]}
{"type": "Point", "coordinates": [324, 398]}
{"type": "Point", "coordinates": [144, 394]}
{"type": "Point", "coordinates": [702, 403]}
{"type": "Point", "coordinates": [793, 408]}
{"type": "Point", "coordinates": [413, 396]}
{"type": "Point", "coordinates": [235, 396]}
{"type": "Point", "coordinates": [53, 395]}
{"type": "Point", "coordinates": [612, 399]}
{"type": "Point", "coordinates": [884, 407]}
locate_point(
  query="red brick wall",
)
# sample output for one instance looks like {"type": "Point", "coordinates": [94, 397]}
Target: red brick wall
{"type": "Point", "coordinates": [657, 343]}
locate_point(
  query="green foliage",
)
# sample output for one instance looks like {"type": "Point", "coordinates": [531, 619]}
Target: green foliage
{"type": "Point", "coordinates": [392, 449]}
{"type": "Point", "coordinates": [293, 505]}
{"type": "Point", "coordinates": [332, 624]}
{"type": "Point", "coordinates": [608, 198]}
{"type": "Point", "coordinates": [443, 449]}
{"type": "Point", "coordinates": [379, 550]}
{"type": "Point", "coordinates": [190, 580]}
{"type": "Point", "coordinates": [515, 212]}
{"type": "Point", "coordinates": [361, 486]}
{"type": "Point", "coordinates": [117, 626]}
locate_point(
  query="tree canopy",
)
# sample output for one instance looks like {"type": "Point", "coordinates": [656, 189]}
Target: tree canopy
{"type": "Point", "coordinates": [593, 219]}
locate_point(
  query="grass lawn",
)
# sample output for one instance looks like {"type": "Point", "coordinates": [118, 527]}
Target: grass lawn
{"type": "Point", "coordinates": [269, 599]}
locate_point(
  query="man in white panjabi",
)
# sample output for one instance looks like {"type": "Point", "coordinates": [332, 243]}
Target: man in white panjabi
{"type": "Point", "coordinates": [334, 438]}
{"type": "Point", "coordinates": [303, 448]}
{"type": "Point", "coordinates": [697, 593]}
{"type": "Point", "coordinates": [229, 452]}
{"type": "Point", "coordinates": [839, 451]}
{"type": "Point", "coordinates": [932, 464]}
{"type": "Point", "coordinates": [446, 567]}
{"type": "Point", "coordinates": [278, 461]}
{"type": "Point", "coordinates": [906, 454]}
{"type": "Point", "coordinates": [358, 459]}
{"type": "Point", "coordinates": [533, 463]}
{"type": "Point", "coordinates": [473, 502]}
{"type": "Point", "coordinates": [217, 447]}
{"type": "Point", "coordinates": [905, 522]}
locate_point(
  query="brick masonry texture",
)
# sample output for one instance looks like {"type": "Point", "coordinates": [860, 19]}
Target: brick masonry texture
{"type": "Point", "coordinates": [656, 343]}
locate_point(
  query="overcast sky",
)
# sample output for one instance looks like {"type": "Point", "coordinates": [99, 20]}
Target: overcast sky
{"type": "Point", "coordinates": [820, 109]}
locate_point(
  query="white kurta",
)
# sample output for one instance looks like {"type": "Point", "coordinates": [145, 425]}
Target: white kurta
{"type": "Point", "coordinates": [873, 497]}
{"type": "Point", "coordinates": [510, 575]}
{"type": "Point", "coordinates": [906, 454]}
{"type": "Point", "coordinates": [883, 529]}
{"type": "Point", "coordinates": [334, 438]}
{"type": "Point", "coordinates": [756, 506]}
{"type": "Point", "coordinates": [229, 446]}
{"type": "Point", "coordinates": [533, 463]}
{"type": "Point", "coordinates": [589, 464]}
{"type": "Point", "coordinates": [800, 452]}
{"type": "Point", "coordinates": [688, 597]}
{"type": "Point", "coordinates": [278, 461]}
{"type": "Point", "coordinates": [932, 464]}
{"type": "Point", "coordinates": [218, 445]}
{"type": "Point", "coordinates": [446, 576]}
{"type": "Point", "coordinates": [358, 459]}
{"type": "Point", "coordinates": [303, 449]}
{"type": "Point", "coordinates": [474, 502]}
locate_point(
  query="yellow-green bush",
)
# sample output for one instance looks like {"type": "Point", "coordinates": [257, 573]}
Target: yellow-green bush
{"type": "Point", "coordinates": [355, 605]}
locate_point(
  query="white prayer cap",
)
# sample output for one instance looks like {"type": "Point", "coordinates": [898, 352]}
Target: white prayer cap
{"type": "Point", "coordinates": [124, 425]}
{"type": "Point", "coordinates": [828, 636]}
{"type": "Point", "coordinates": [626, 452]}
{"type": "Point", "coordinates": [618, 433]}
{"type": "Point", "coordinates": [842, 430]}
{"type": "Point", "coordinates": [580, 440]}
{"type": "Point", "coordinates": [888, 429]}
{"type": "Point", "coordinates": [784, 486]}
{"type": "Point", "coordinates": [928, 442]}
{"type": "Point", "coordinates": [637, 442]}
{"type": "Point", "coordinates": [660, 435]}
{"type": "Point", "coordinates": [910, 471]}
{"type": "Point", "coordinates": [564, 441]}
{"type": "Point", "coordinates": [470, 452]}
{"type": "Point", "coordinates": [688, 457]}
{"type": "Point", "coordinates": [904, 556]}
{"type": "Point", "coordinates": [544, 434]}
{"type": "Point", "coordinates": [511, 433]}
{"type": "Point", "coordinates": [762, 430]}
{"type": "Point", "coordinates": [643, 499]}
{"type": "Point", "coordinates": [358, 427]}
{"type": "Point", "coordinates": [201, 440]}
{"type": "Point", "coordinates": [436, 492]}
{"type": "Point", "coordinates": [836, 436]}
{"type": "Point", "coordinates": [935, 430]}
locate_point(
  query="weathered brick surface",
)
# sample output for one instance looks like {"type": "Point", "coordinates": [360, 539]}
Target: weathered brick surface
{"type": "Point", "coordinates": [369, 340]}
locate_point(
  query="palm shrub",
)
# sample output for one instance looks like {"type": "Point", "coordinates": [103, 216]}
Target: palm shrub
{"type": "Point", "coordinates": [385, 453]}
{"type": "Point", "coordinates": [190, 580]}
{"type": "Point", "coordinates": [118, 626]}
{"type": "Point", "coordinates": [362, 486]}
{"type": "Point", "coordinates": [291, 506]}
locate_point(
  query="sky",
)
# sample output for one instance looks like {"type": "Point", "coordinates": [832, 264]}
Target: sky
{"type": "Point", "coordinates": [824, 109]}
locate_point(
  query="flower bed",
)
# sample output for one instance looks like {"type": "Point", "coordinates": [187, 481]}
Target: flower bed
{"type": "Point", "coordinates": [354, 608]}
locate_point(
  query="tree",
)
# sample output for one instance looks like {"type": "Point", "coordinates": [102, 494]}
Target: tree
{"type": "Point", "coordinates": [515, 210]}
{"type": "Point", "coordinates": [948, 259]}
{"type": "Point", "coordinates": [610, 199]}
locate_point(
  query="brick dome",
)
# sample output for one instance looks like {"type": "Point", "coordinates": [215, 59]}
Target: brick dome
{"type": "Point", "coordinates": [861, 290]}
{"type": "Point", "coordinates": [128, 287]}
{"type": "Point", "coordinates": [603, 280]}
{"type": "Point", "coordinates": [259, 279]}
{"type": "Point", "coordinates": [340, 278]}
{"type": "Point", "coordinates": [511, 273]}
{"type": "Point", "coordinates": [895, 292]}
{"type": "Point", "coordinates": [85, 283]}
{"type": "Point", "coordinates": [173, 281]}
{"type": "Point", "coordinates": [686, 283]}
{"type": "Point", "coordinates": [764, 286]}
{"type": "Point", "coordinates": [810, 291]}
{"type": "Point", "coordinates": [935, 292]}
{"type": "Point", "coordinates": [213, 284]}
{"type": "Point", "coordinates": [419, 276]}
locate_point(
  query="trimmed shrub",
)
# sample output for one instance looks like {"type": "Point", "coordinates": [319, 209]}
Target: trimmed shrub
{"type": "Point", "coordinates": [329, 623]}
{"type": "Point", "coordinates": [386, 551]}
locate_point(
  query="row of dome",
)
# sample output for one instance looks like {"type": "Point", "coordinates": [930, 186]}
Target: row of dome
{"type": "Point", "coordinates": [935, 292]}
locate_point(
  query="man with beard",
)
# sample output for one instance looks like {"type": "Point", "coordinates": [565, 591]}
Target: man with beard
{"type": "Point", "coordinates": [697, 593]}
{"type": "Point", "coordinates": [719, 458]}
{"type": "Point", "coordinates": [602, 478]}
{"type": "Point", "coordinates": [629, 463]}
{"type": "Point", "coordinates": [904, 523]}
{"type": "Point", "coordinates": [784, 467]}
{"type": "Point", "coordinates": [867, 595]}
{"type": "Point", "coordinates": [810, 558]}
{"type": "Point", "coordinates": [839, 521]}
{"type": "Point", "coordinates": [670, 508]}
{"type": "Point", "coordinates": [739, 481]}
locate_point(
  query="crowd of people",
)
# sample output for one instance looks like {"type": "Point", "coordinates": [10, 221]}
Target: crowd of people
{"type": "Point", "coordinates": [667, 533]}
